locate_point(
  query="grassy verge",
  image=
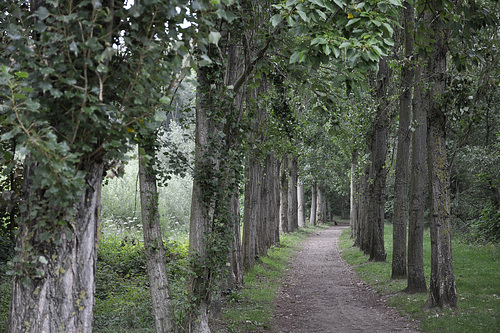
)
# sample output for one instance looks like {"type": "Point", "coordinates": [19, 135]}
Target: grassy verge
{"type": "Point", "coordinates": [477, 269]}
{"type": "Point", "coordinates": [250, 308]}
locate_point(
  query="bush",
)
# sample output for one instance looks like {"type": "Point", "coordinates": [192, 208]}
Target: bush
{"type": "Point", "coordinates": [487, 227]}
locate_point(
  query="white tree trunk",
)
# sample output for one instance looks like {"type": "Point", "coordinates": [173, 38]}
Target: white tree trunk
{"type": "Point", "coordinates": [301, 204]}
{"type": "Point", "coordinates": [154, 249]}
{"type": "Point", "coordinates": [312, 216]}
{"type": "Point", "coordinates": [61, 297]}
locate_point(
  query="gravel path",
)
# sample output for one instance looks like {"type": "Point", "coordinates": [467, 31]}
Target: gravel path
{"type": "Point", "coordinates": [321, 293]}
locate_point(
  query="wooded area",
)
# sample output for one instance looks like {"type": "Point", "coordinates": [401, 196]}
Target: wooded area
{"type": "Point", "coordinates": [379, 111]}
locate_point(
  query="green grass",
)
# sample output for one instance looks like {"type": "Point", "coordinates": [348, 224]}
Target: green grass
{"type": "Point", "coordinates": [250, 308]}
{"type": "Point", "coordinates": [477, 274]}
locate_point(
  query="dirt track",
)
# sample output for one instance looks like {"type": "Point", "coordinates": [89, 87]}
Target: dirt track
{"type": "Point", "coordinates": [321, 293]}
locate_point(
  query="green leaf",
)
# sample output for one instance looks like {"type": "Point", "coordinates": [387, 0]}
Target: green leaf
{"type": "Point", "coordinates": [326, 49]}
{"type": "Point", "coordinates": [42, 13]}
{"type": "Point", "coordinates": [214, 37]}
{"type": "Point", "coordinates": [388, 42]}
{"type": "Point", "coordinates": [397, 3]}
{"type": "Point", "coordinates": [318, 40]}
{"type": "Point", "coordinates": [7, 136]}
{"type": "Point", "coordinates": [43, 260]}
{"type": "Point", "coordinates": [295, 57]}
{"type": "Point", "coordinates": [382, 6]}
{"type": "Point", "coordinates": [336, 52]}
{"type": "Point", "coordinates": [74, 48]}
{"type": "Point", "coordinates": [320, 3]}
{"type": "Point", "coordinates": [339, 3]}
{"type": "Point", "coordinates": [322, 14]}
{"type": "Point", "coordinates": [22, 75]}
{"type": "Point", "coordinates": [303, 16]}
{"type": "Point", "coordinates": [389, 28]}
{"type": "Point", "coordinates": [204, 61]}
{"type": "Point", "coordinates": [352, 21]}
{"type": "Point", "coordinates": [276, 20]}
{"type": "Point", "coordinates": [160, 116]}
{"type": "Point", "coordinates": [345, 45]}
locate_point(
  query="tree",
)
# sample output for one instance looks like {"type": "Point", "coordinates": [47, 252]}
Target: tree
{"type": "Point", "coordinates": [378, 149]}
{"type": "Point", "coordinates": [74, 109]}
{"type": "Point", "coordinates": [153, 241]}
{"type": "Point", "coordinates": [400, 219]}
{"type": "Point", "coordinates": [312, 218]}
{"type": "Point", "coordinates": [443, 290]}
{"type": "Point", "coordinates": [418, 182]}
{"type": "Point", "coordinates": [293, 218]}
{"type": "Point", "coordinates": [300, 200]}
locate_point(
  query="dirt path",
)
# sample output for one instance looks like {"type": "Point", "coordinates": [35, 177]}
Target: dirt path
{"type": "Point", "coordinates": [321, 293]}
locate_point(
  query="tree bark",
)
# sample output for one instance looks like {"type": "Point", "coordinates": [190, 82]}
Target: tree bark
{"type": "Point", "coordinates": [235, 277]}
{"type": "Point", "coordinates": [416, 274]}
{"type": "Point", "coordinates": [60, 298]}
{"type": "Point", "coordinates": [376, 195]}
{"type": "Point", "coordinates": [353, 218]}
{"type": "Point", "coordinates": [284, 195]}
{"type": "Point", "coordinates": [293, 218]}
{"type": "Point", "coordinates": [312, 216]}
{"type": "Point", "coordinates": [153, 243]}
{"type": "Point", "coordinates": [403, 153]}
{"type": "Point", "coordinates": [443, 290]}
{"type": "Point", "coordinates": [364, 226]}
{"type": "Point", "coordinates": [251, 213]}
{"type": "Point", "coordinates": [319, 205]}
{"type": "Point", "coordinates": [301, 204]}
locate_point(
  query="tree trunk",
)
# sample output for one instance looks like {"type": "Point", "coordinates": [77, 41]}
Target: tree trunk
{"type": "Point", "coordinates": [364, 226]}
{"type": "Point", "coordinates": [251, 213]}
{"type": "Point", "coordinates": [319, 205]}
{"type": "Point", "coordinates": [312, 216]}
{"type": "Point", "coordinates": [353, 218]}
{"type": "Point", "coordinates": [416, 275]}
{"type": "Point", "coordinates": [284, 195]}
{"type": "Point", "coordinates": [293, 219]}
{"type": "Point", "coordinates": [443, 291]}
{"type": "Point", "coordinates": [262, 234]}
{"type": "Point", "coordinates": [301, 204]}
{"type": "Point", "coordinates": [376, 195]}
{"type": "Point", "coordinates": [59, 295]}
{"type": "Point", "coordinates": [274, 202]}
{"type": "Point", "coordinates": [403, 153]}
{"type": "Point", "coordinates": [235, 277]}
{"type": "Point", "coordinates": [153, 244]}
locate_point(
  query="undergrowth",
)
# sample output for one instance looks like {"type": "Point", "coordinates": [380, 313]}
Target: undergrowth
{"type": "Point", "coordinates": [123, 301]}
{"type": "Point", "coordinates": [476, 269]}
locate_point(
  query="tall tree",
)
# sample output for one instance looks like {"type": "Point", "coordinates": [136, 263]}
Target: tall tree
{"type": "Point", "coordinates": [153, 241]}
{"type": "Point", "coordinates": [418, 182]}
{"type": "Point", "coordinates": [301, 204]}
{"type": "Point", "coordinates": [443, 290]}
{"type": "Point", "coordinates": [312, 216]}
{"type": "Point", "coordinates": [378, 173]}
{"type": "Point", "coordinates": [79, 112]}
{"type": "Point", "coordinates": [400, 219]}
{"type": "Point", "coordinates": [293, 218]}
{"type": "Point", "coordinates": [284, 172]}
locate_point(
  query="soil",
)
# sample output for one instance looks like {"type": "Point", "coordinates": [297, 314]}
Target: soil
{"type": "Point", "coordinates": [321, 293]}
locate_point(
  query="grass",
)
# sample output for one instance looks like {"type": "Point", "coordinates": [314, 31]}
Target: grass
{"type": "Point", "coordinates": [477, 274]}
{"type": "Point", "coordinates": [250, 308]}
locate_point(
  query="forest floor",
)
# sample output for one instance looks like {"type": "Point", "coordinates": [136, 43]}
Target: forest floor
{"type": "Point", "coordinates": [321, 293]}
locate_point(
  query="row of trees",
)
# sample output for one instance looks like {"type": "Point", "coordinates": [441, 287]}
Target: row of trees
{"type": "Point", "coordinates": [297, 92]}
{"type": "Point", "coordinates": [427, 52]}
